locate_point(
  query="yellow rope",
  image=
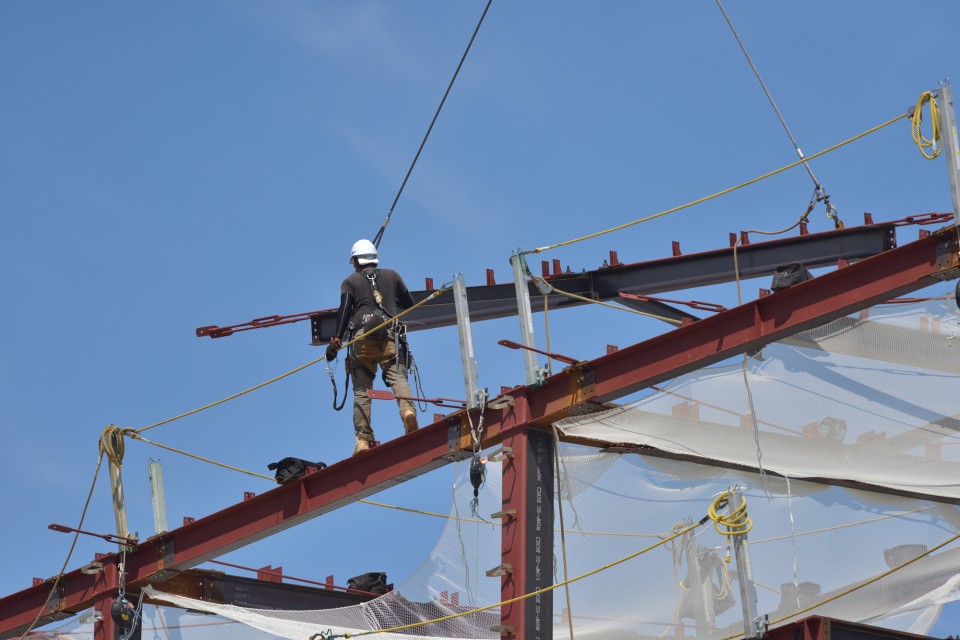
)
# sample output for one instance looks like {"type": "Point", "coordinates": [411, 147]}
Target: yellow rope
{"type": "Point", "coordinates": [611, 306]}
{"type": "Point", "coordinates": [859, 586]}
{"type": "Point", "coordinates": [721, 193]}
{"type": "Point", "coordinates": [916, 119]}
{"type": "Point", "coordinates": [526, 595]}
{"type": "Point", "coordinates": [111, 444]}
{"type": "Point", "coordinates": [136, 436]}
{"type": "Point", "coordinates": [424, 513]}
{"type": "Point", "coordinates": [736, 523]}
{"type": "Point", "coordinates": [288, 373]}
{"type": "Point", "coordinates": [840, 526]}
{"type": "Point", "coordinates": [258, 475]}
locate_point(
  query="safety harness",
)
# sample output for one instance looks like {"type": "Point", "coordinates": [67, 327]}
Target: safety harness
{"type": "Point", "coordinates": [399, 331]}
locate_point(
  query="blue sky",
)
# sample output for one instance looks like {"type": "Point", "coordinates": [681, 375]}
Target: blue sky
{"type": "Point", "coordinates": [165, 167]}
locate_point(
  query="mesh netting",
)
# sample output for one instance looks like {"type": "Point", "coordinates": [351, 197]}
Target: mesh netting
{"type": "Point", "coordinates": [869, 400]}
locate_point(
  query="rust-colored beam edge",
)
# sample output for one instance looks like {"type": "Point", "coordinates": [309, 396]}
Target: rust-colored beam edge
{"type": "Point", "coordinates": [750, 326]}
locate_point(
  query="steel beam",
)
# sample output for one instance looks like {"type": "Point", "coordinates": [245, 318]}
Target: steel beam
{"type": "Point", "coordinates": [574, 390]}
{"type": "Point", "coordinates": [650, 277]}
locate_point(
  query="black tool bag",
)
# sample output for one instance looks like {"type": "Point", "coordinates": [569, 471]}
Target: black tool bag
{"type": "Point", "coordinates": [292, 468]}
{"type": "Point", "coordinates": [374, 582]}
{"type": "Point", "coordinates": [787, 275]}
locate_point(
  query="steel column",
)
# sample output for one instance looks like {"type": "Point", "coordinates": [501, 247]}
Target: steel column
{"type": "Point", "coordinates": [527, 548]}
{"type": "Point", "coordinates": [950, 147]}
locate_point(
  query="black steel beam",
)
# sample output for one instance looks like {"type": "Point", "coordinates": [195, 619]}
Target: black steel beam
{"type": "Point", "coordinates": [653, 276]}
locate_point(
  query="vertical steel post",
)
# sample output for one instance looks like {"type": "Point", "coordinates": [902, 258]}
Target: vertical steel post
{"type": "Point", "coordinates": [119, 506]}
{"type": "Point", "coordinates": [157, 496]}
{"type": "Point", "coordinates": [526, 318]}
{"type": "Point", "coordinates": [699, 589]}
{"type": "Point", "coordinates": [748, 591]}
{"type": "Point", "coordinates": [474, 399]}
{"type": "Point", "coordinates": [527, 542]}
{"type": "Point", "coordinates": [950, 146]}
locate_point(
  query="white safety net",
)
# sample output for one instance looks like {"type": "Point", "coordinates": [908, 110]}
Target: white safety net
{"type": "Point", "coordinates": [870, 399]}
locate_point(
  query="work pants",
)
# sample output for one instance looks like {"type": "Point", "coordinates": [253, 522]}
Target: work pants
{"type": "Point", "coordinates": [367, 355]}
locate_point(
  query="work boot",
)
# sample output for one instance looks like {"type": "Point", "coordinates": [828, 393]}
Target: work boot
{"type": "Point", "coordinates": [361, 446]}
{"type": "Point", "coordinates": [409, 421]}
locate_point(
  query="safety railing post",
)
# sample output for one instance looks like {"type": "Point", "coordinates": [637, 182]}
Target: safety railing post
{"type": "Point", "coordinates": [533, 372]}
{"type": "Point", "coordinates": [119, 505]}
{"type": "Point", "coordinates": [753, 626]}
{"type": "Point", "coordinates": [951, 147]}
{"type": "Point", "coordinates": [460, 304]}
{"type": "Point", "coordinates": [157, 496]}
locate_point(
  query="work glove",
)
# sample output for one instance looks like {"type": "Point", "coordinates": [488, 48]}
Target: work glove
{"type": "Point", "coordinates": [332, 350]}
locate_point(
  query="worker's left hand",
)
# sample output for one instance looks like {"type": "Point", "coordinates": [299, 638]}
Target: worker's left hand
{"type": "Point", "coordinates": [332, 351]}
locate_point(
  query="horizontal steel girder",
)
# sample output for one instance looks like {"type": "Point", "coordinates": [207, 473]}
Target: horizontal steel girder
{"type": "Point", "coordinates": [653, 276]}
{"type": "Point", "coordinates": [580, 388]}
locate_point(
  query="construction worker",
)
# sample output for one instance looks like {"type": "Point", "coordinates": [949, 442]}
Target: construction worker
{"type": "Point", "coordinates": [369, 297]}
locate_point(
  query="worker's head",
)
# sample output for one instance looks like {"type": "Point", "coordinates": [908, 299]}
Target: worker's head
{"type": "Point", "coordinates": [363, 254]}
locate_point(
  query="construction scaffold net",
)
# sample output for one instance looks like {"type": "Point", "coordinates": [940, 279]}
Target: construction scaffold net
{"type": "Point", "coordinates": [869, 400]}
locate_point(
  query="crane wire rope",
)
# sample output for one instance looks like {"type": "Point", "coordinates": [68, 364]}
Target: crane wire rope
{"type": "Point", "coordinates": [724, 192]}
{"type": "Point", "coordinates": [331, 636]}
{"type": "Point", "coordinates": [386, 221]}
{"type": "Point", "coordinates": [756, 72]}
{"type": "Point", "coordinates": [433, 295]}
{"type": "Point", "coordinates": [73, 544]}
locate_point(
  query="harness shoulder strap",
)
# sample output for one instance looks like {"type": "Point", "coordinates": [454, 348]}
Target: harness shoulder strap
{"type": "Point", "coordinates": [377, 296]}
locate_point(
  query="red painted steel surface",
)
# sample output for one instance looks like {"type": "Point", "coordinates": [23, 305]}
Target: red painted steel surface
{"type": "Point", "coordinates": [513, 551]}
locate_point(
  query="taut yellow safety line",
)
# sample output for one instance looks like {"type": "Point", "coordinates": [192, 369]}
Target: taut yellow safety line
{"type": "Point", "coordinates": [137, 436]}
{"type": "Point", "coordinates": [433, 295]}
{"type": "Point", "coordinates": [720, 193]}
{"type": "Point", "coordinates": [518, 598]}
{"type": "Point", "coordinates": [259, 475]}
{"type": "Point", "coordinates": [859, 586]}
{"type": "Point", "coordinates": [608, 305]}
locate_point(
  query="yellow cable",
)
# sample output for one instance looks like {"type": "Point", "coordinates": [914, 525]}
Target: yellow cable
{"type": "Point", "coordinates": [916, 119]}
{"type": "Point", "coordinates": [524, 596]}
{"type": "Point", "coordinates": [720, 193]}
{"type": "Point", "coordinates": [612, 306]}
{"type": "Point", "coordinates": [288, 373]}
{"type": "Point", "coordinates": [111, 444]}
{"type": "Point", "coordinates": [736, 523]}
{"type": "Point", "coordinates": [137, 436]}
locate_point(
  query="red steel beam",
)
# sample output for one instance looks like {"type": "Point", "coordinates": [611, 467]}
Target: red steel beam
{"type": "Point", "coordinates": [684, 349]}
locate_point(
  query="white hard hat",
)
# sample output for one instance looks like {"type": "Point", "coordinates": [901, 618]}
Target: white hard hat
{"type": "Point", "coordinates": [364, 252]}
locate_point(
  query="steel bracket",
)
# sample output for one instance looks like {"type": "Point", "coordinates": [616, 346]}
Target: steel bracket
{"type": "Point", "coordinates": [500, 570]}
{"type": "Point", "coordinates": [165, 559]}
